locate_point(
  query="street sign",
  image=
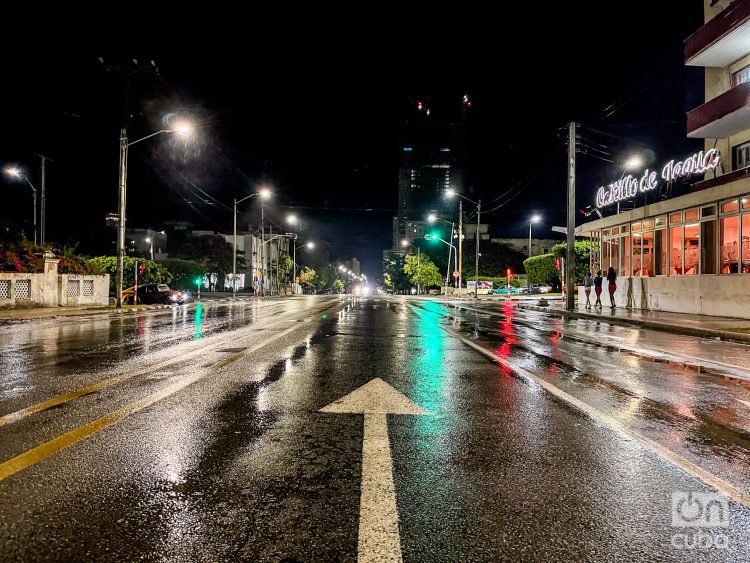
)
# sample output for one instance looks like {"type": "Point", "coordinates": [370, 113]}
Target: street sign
{"type": "Point", "coordinates": [455, 274]}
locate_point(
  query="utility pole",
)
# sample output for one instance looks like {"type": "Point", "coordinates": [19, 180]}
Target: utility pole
{"type": "Point", "coordinates": [234, 250]}
{"type": "Point", "coordinates": [121, 221]}
{"type": "Point", "coordinates": [270, 261]}
{"type": "Point", "coordinates": [570, 262]}
{"type": "Point", "coordinates": [43, 210]}
{"type": "Point", "coordinates": [262, 251]}
{"type": "Point", "coordinates": [460, 243]}
{"type": "Point", "coordinates": [476, 265]}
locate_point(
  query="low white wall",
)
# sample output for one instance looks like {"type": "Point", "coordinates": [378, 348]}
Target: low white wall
{"type": "Point", "coordinates": [720, 295]}
{"type": "Point", "coordinates": [49, 289]}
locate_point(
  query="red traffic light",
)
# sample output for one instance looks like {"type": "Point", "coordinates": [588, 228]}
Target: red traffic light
{"type": "Point", "coordinates": [509, 274]}
{"type": "Point", "coordinates": [557, 263]}
{"type": "Point", "coordinates": [141, 268]}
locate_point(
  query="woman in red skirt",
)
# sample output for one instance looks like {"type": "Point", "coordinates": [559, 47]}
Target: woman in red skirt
{"type": "Point", "coordinates": [612, 279]}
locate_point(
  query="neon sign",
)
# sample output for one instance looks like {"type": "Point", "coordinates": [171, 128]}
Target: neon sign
{"type": "Point", "coordinates": [629, 186]}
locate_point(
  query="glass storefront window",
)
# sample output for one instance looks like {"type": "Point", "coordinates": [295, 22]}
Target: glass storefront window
{"type": "Point", "coordinates": [660, 252]}
{"type": "Point", "coordinates": [746, 243]}
{"type": "Point", "coordinates": [729, 206]}
{"type": "Point", "coordinates": [647, 254]}
{"type": "Point", "coordinates": [648, 224]}
{"type": "Point", "coordinates": [661, 221]}
{"type": "Point", "coordinates": [691, 214]}
{"type": "Point", "coordinates": [605, 255]}
{"type": "Point", "coordinates": [615, 261]}
{"type": "Point", "coordinates": [745, 202]}
{"type": "Point", "coordinates": [730, 236]}
{"type": "Point", "coordinates": [675, 252]}
{"type": "Point", "coordinates": [708, 247]}
{"type": "Point", "coordinates": [635, 227]}
{"type": "Point", "coordinates": [708, 211]}
{"type": "Point", "coordinates": [676, 217]}
{"type": "Point", "coordinates": [625, 265]}
{"type": "Point", "coordinates": [615, 230]}
{"type": "Point", "coordinates": [690, 249]}
{"type": "Point", "coordinates": [637, 252]}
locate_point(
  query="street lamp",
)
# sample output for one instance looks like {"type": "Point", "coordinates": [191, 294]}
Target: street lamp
{"type": "Point", "coordinates": [17, 173]}
{"type": "Point", "coordinates": [180, 127]}
{"type": "Point", "coordinates": [309, 245]}
{"type": "Point", "coordinates": [432, 218]}
{"type": "Point", "coordinates": [150, 240]}
{"type": "Point", "coordinates": [263, 193]}
{"type": "Point", "coordinates": [534, 219]}
{"type": "Point", "coordinates": [633, 162]}
{"type": "Point", "coordinates": [450, 192]}
{"type": "Point", "coordinates": [404, 244]}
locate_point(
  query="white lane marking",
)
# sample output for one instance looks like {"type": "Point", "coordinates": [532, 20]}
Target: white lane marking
{"type": "Point", "coordinates": [379, 538]}
{"type": "Point", "coordinates": [727, 489]}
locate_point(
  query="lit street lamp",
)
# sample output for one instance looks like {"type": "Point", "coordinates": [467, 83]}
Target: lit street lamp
{"type": "Point", "coordinates": [264, 193]}
{"type": "Point", "coordinates": [150, 240]}
{"type": "Point", "coordinates": [309, 245]}
{"type": "Point", "coordinates": [183, 128]}
{"type": "Point", "coordinates": [16, 173]}
{"type": "Point", "coordinates": [450, 192]}
{"type": "Point", "coordinates": [404, 244]}
{"type": "Point", "coordinates": [534, 219]}
{"type": "Point", "coordinates": [432, 218]}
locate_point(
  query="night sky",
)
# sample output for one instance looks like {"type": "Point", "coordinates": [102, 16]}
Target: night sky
{"type": "Point", "coordinates": [313, 110]}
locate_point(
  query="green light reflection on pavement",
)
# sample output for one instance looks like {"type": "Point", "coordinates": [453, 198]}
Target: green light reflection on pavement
{"type": "Point", "coordinates": [198, 321]}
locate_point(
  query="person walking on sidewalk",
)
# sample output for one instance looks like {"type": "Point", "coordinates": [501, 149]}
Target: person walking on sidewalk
{"type": "Point", "coordinates": [588, 281]}
{"type": "Point", "coordinates": [612, 279]}
{"type": "Point", "coordinates": [598, 289]}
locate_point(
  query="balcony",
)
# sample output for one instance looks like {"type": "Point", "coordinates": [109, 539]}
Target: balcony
{"type": "Point", "coordinates": [723, 116]}
{"type": "Point", "coordinates": [722, 40]}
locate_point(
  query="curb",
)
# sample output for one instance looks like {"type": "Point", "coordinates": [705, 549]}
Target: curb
{"type": "Point", "coordinates": [665, 327]}
{"type": "Point", "coordinates": [137, 309]}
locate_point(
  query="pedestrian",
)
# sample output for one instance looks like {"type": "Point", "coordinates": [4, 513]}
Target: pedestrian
{"type": "Point", "coordinates": [598, 289]}
{"type": "Point", "coordinates": [612, 279]}
{"type": "Point", "coordinates": [588, 281]}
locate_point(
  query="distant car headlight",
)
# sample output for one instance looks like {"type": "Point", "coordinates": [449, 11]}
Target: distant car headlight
{"type": "Point", "coordinates": [174, 297]}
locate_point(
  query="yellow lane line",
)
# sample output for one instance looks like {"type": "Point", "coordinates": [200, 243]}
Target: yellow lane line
{"type": "Point", "coordinates": [43, 451]}
{"type": "Point", "coordinates": [98, 386]}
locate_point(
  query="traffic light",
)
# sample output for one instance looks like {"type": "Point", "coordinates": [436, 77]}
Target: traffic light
{"type": "Point", "coordinates": [509, 274]}
{"type": "Point", "coordinates": [557, 263]}
{"type": "Point", "coordinates": [198, 280]}
{"type": "Point", "coordinates": [141, 268]}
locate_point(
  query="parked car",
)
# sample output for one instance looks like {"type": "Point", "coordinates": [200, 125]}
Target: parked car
{"type": "Point", "coordinates": [504, 290]}
{"type": "Point", "coordinates": [152, 293]}
{"type": "Point", "coordinates": [540, 288]}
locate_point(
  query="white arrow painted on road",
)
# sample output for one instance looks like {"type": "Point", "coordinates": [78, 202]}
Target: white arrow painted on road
{"type": "Point", "coordinates": [379, 539]}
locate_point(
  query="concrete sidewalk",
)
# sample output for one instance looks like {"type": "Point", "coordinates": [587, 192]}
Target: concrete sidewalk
{"type": "Point", "coordinates": [706, 326]}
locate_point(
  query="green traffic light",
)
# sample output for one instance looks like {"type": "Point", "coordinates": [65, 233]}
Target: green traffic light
{"type": "Point", "coordinates": [434, 237]}
{"type": "Point", "coordinates": [198, 281]}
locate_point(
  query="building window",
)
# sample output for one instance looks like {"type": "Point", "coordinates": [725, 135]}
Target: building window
{"type": "Point", "coordinates": [691, 252]}
{"type": "Point", "coordinates": [746, 243]}
{"type": "Point", "coordinates": [647, 254]}
{"type": "Point", "coordinates": [675, 253]}
{"type": "Point", "coordinates": [742, 156]}
{"type": "Point", "coordinates": [625, 264]}
{"type": "Point", "coordinates": [691, 214]}
{"type": "Point", "coordinates": [660, 252]}
{"type": "Point", "coordinates": [730, 206]}
{"type": "Point", "coordinates": [708, 247]}
{"type": "Point", "coordinates": [741, 76]}
{"type": "Point", "coordinates": [615, 259]}
{"type": "Point", "coordinates": [730, 236]}
{"type": "Point", "coordinates": [637, 254]}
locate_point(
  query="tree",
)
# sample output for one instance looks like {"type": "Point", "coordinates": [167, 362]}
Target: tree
{"type": "Point", "coordinates": [338, 286]}
{"type": "Point", "coordinates": [153, 272]}
{"type": "Point", "coordinates": [541, 269]}
{"type": "Point", "coordinates": [285, 264]}
{"type": "Point", "coordinates": [421, 270]}
{"type": "Point", "coordinates": [184, 272]}
{"type": "Point", "coordinates": [214, 253]}
{"type": "Point", "coordinates": [582, 250]}
{"type": "Point", "coordinates": [393, 273]}
{"type": "Point", "coordinates": [307, 276]}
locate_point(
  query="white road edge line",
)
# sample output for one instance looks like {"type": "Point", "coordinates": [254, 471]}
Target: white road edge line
{"type": "Point", "coordinates": [689, 467]}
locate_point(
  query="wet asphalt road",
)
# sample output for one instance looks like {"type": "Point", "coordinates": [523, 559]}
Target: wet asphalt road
{"type": "Point", "coordinates": [194, 434]}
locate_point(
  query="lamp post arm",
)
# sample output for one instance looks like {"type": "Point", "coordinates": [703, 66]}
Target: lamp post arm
{"type": "Point", "coordinates": [131, 143]}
